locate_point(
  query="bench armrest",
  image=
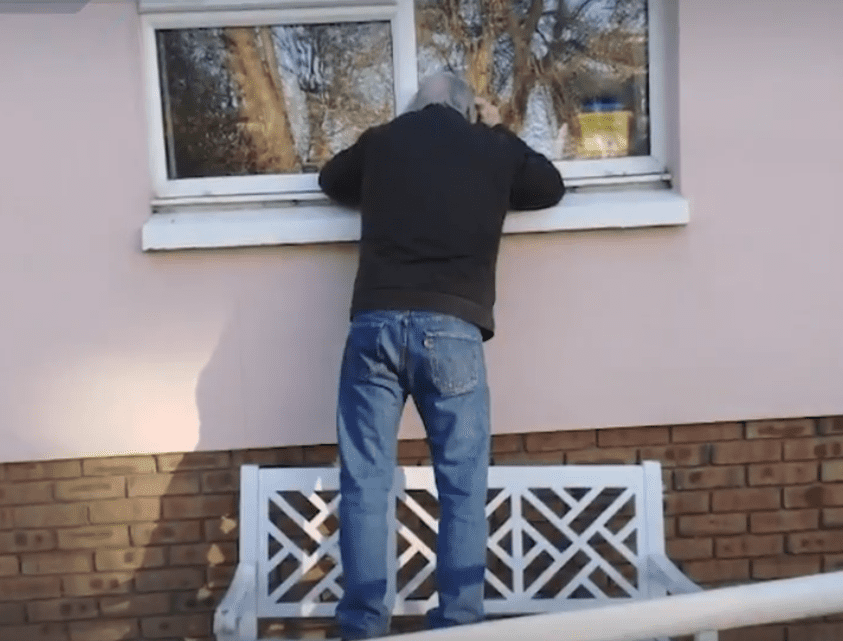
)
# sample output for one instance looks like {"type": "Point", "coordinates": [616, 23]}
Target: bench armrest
{"type": "Point", "coordinates": [664, 571]}
{"type": "Point", "coordinates": [236, 616]}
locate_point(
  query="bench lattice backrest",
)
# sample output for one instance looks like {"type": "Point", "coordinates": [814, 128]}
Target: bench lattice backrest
{"type": "Point", "coordinates": [560, 537]}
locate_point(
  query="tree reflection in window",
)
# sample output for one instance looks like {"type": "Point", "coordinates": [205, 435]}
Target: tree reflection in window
{"type": "Point", "coordinates": [558, 68]}
{"type": "Point", "coordinates": [271, 99]}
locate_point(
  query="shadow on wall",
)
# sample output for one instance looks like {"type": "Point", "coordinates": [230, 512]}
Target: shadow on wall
{"type": "Point", "coordinates": [270, 382]}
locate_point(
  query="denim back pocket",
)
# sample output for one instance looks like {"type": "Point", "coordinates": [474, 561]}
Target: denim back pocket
{"type": "Point", "coordinates": [454, 361]}
{"type": "Point", "coordinates": [364, 354]}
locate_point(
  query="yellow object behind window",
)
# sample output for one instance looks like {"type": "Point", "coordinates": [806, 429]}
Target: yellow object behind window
{"type": "Point", "coordinates": [605, 134]}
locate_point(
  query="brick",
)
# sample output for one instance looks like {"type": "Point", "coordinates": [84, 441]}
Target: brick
{"type": "Point", "coordinates": [784, 521]}
{"type": "Point", "coordinates": [749, 545]}
{"type": "Point", "coordinates": [53, 515]}
{"type": "Point", "coordinates": [9, 566]}
{"type": "Point", "coordinates": [821, 447]}
{"type": "Point", "coordinates": [163, 484]}
{"type": "Point", "coordinates": [697, 478]}
{"type": "Point", "coordinates": [320, 454]}
{"type": "Point", "coordinates": [832, 562]}
{"type": "Point", "coordinates": [630, 436]}
{"type": "Point", "coordinates": [129, 559]}
{"type": "Point", "coordinates": [101, 536]}
{"type": "Point", "coordinates": [717, 571]}
{"type": "Point", "coordinates": [219, 576]}
{"type": "Point", "coordinates": [126, 510]}
{"type": "Point", "coordinates": [746, 499]}
{"type": "Point", "coordinates": [712, 524]}
{"type": "Point", "coordinates": [791, 428]}
{"type": "Point", "coordinates": [607, 455]}
{"type": "Point", "coordinates": [556, 441]}
{"type": "Point", "coordinates": [706, 432]}
{"type": "Point", "coordinates": [690, 549]}
{"type": "Point", "coordinates": [687, 503]}
{"type": "Point", "coordinates": [175, 507]}
{"type": "Point", "coordinates": [203, 554]}
{"type": "Point", "coordinates": [135, 605]}
{"type": "Point", "coordinates": [808, 542]}
{"type": "Point", "coordinates": [62, 610]}
{"type": "Point", "coordinates": [178, 626]}
{"type": "Point", "coordinates": [57, 563]}
{"type": "Point", "coordinates": [529, 458]}
{"type": "Point", "coordinates": [169, 579]}
{"type": "Point", "coordinates": [29, 588]}
{"type": "Point", "coordinates": [37, 632]}
{"type": "Point", "coordinates": [833, 517]}
{"type": "Point", "coordinates": [193, 461]}
{"type": "Point", "coordinates": [754, 633]}
{"type": "Point", "coordinates": [43, 470]}
{"type": "Point", "coordinates": [413, 449]}
{"type": "Point", "coordinates": [98, 584]}
{"type": "Point", "coordinates": [26, 493]}
{"type": "Point", "coordinates": [817, 495]}
{"type": "Point", "coordinates": [413, 461]}
{"type": "Point", "coordinates": [785, 566]}
{"type": "Point", "coordinates": [165, 532]}
{"type": "Point", "coordinates": [118, 466]}
{"type": "Point", "coordinates": [2, 472]}
{"type": "Point", "coordinates": [746, 452]}
{"type": "Point", "coordinates": [12, 613]}
{"type": "Point", "coordinates": [105, 630]}
{"type": "Point", "coordinates": [830, 425]}
{"type": "Point", "coordinates": [107, 487]}
{"type": "Point", "coordinates": [815, 632]}
{"type": "Point", "coordinates": [27, 541]}
{"type": "Point", "coordinates": [6, 518]}
{"type": "Point", "coordinates": [290, 456]}
{"type": "Point", "coordinates": [222, 529]}
{"type": "Point", "coordinates": [832, 471]}
{"type": "Point", "coordinates": [783, 473]}
{"type": "Point", "coordinates": [676, 455]}
{"type": "Point", "coordinates": [507, 443]}
{"type": "Point", "coordinates": [216, 482]}
{"type": "Point", "coordinates": [201, 600]}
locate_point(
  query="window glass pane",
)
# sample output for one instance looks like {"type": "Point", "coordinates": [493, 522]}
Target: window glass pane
{"type": "Point", "coordinates": [271, 99]}
{"type": "Point", "coordinates": [570, 76]}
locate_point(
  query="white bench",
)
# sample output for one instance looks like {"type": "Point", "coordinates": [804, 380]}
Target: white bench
{"type": "Point", "coordinates": [560, 538]}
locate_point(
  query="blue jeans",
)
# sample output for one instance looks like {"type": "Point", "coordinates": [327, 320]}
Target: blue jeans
{"type": "Point", "coordinates": [438, 360]}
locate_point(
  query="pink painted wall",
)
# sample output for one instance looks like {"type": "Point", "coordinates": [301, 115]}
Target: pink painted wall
{"type": "Point", "coordinates": [109, 350]}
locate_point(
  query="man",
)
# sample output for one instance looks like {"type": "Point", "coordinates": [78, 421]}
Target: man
{"type": "Point", "coordinates": [433, 188]}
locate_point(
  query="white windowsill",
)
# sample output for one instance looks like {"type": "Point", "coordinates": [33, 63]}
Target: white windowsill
{"type": "Point", "coordinates": [325, 223]}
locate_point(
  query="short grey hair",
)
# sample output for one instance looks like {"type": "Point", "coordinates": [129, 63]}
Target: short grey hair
{"type": "Point", "coordinates": [445, 88]}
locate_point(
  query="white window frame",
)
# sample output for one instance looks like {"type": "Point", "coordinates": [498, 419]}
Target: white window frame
{"type": "Point", "coordinates": [278, 209]}
{"type": "Point", "coordinates": [272, 185]}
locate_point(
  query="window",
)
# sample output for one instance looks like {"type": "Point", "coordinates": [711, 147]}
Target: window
{"type": "Point", "coordinates": [570, 75]}
{"type": "Point", "coordinates": [253, 102]}
{"type": "Point", "coordinates": [247, 100]}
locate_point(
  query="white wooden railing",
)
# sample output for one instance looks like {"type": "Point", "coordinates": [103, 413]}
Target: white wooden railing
{"type": "Point", "coordinates": [716, 609]}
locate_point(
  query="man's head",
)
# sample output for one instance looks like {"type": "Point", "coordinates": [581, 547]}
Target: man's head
{"type": "Point", "coordinates": [446, 88]}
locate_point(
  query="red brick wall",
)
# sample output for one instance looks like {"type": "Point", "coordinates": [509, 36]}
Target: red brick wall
{"type": "Point", "coordinates": [143, 547]}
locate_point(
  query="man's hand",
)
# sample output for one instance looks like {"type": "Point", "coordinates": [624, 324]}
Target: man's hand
{"type": "Point", "coordinates": [487, 113]}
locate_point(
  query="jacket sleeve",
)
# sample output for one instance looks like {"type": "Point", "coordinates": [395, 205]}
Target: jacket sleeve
{"type": "Point", "coordinates": [342, 176]}
{"type": "Point", "coordinates": [537, 183]}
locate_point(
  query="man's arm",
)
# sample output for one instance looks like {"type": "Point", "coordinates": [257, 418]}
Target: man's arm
{"type": "Point", "coordinates": [537, 183]}
{"type": "Point", "coordinates": [342, 176]}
